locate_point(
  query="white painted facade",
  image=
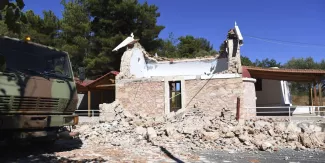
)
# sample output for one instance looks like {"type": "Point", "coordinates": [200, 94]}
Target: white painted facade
{"type": "Point", "coordinates": [273, 93]}
{"type": "Point", "coordinates": [184, 68]}
{"type": "Point", "coordinates": [277, 93]}
{"type": "Point", "coordinates": [138, 66]}
{"type": "Point", "coordinates": [141, 69]}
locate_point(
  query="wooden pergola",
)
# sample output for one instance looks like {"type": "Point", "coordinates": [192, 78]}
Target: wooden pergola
{"type": "Point", "coordinates": [313, 76]}
{"type": "Point", "coordinates": [105, 82]}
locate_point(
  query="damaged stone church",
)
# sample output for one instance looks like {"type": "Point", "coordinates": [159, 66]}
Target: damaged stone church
{"type": "Point", "coordinates": [150, 86]}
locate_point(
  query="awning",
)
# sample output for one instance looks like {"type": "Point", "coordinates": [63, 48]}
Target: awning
{"type": "Point", "coordinates": [297, 75]}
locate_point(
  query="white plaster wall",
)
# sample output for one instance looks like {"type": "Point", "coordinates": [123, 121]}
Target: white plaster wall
{"type": "Point", "coordinates": [139, 68]}
{"type": "Point", "coordinates": [249, 96]}
{"type": "Point", "coordinates": [249, 92]}
{"type": "Point", "coordinates": [271, 93]}
{"type": "Point", "coordinates": [187, 68]}
{"type": "Point", "coordinates": [138, 65]}
{"type": "Point", "coordinates": [80, 97]}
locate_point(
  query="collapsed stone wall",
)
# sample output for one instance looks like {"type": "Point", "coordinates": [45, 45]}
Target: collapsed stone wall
{"type": "Point", "coordinates": [194, 129]}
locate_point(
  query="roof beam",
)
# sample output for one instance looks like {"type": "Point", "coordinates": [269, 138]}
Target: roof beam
{"type": "Point", "coordinates": [105, 85]}
{"type": "Point", "coordinates": [283, 76]}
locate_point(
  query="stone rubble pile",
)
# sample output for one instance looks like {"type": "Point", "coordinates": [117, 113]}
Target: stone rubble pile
{"type": "Point", "coordinates": [193, 130]}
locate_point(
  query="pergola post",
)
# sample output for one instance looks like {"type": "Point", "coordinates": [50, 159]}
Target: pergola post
{"type": "Point", "coordinates": [320, 97]}
{"type": "Point", "coordinates": [311, 95]}
{"type": "Point", "coordinates": [315, 94]}
{"type": "Point", "coordinates": [320, 93]}
{"type": "Point", "coordinates": [89, 103]}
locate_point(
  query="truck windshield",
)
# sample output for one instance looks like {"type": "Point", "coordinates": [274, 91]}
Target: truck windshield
{"type": "Point", "coordinates": [55, 65]}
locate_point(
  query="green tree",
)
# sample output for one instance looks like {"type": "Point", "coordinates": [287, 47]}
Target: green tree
{"type": "Point", "coordinates": [267, 63]}
{"type": "Point", "coordinates": [245, 61]}
{"type": "Point", "coordinates": [112, 22]}
{"type": "Point", "coordinates": [75, 33]}
{"type": "Point", "coordinates": [302, 63]}
{"type": "Point", "coordinates": [190, 47]}
{"type": "Point", "coordinates": [322, 64]}
{"type": "Point", "coordinates": [168, 48]}
{"type": "Point", "coordinates": [12, 15]}
{"type": "Point", "coordinates": [43, 31]}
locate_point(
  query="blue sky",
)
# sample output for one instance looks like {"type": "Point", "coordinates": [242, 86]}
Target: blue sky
{"type": "Point", "coordinates": [285, 20]}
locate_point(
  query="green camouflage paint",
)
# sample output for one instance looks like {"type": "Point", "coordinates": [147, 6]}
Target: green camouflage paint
{"type": "Point", "coordinates": [30, 101]}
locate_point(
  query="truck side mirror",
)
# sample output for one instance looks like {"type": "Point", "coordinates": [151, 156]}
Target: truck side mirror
{"type": "Point", "coordinates": [82, 74]}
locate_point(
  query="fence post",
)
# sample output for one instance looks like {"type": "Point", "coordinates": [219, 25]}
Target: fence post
{"type": "Point", "coordinates": [238, 109]}
{"type": "Point", "coordinates": [289, 114]}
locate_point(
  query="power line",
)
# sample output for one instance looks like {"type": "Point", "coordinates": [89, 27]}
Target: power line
{"type": "Point", "coordinates": [292, 43]}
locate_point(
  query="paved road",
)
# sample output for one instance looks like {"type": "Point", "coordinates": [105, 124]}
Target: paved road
{"type": "Point", "coordinates": [40, 154]}
{"type": "Point", "coordinates": [283, 156]}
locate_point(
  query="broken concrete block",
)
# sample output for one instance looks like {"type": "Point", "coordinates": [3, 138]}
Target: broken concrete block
{"type": "Point", "coordinates": [229, 135]}
{"type": "Point", "coordinates": [266, 146]}
{"type": "Point", "coordinates": [170, 130]}
{"type": "Point", "coordinates": [292, 137]}
{"type": "Point", "coordinates": [305, 140]}
{"type": "Point", "coordinates": [141, 131]}
{"type": "Point", "coordinates": [151, 133]}
{"type": "Point", "coordinates": [244, 138]}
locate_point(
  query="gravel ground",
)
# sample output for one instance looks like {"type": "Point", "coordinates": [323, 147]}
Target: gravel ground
{"type": "Point", "coordinates": [71, 151]}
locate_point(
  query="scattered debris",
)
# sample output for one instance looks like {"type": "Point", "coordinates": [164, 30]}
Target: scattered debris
{"type": "Point", "coordinates": [193, 130]}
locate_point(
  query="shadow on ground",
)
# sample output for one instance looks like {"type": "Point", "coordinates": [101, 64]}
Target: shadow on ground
{"type": "Point", "coordinates": [23, 152]}
{"type": "Point", "coordinates": [171, 156]}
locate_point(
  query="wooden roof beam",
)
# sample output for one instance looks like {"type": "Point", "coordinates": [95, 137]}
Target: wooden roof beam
{"type": "Point", "coordinates": [287, 77]}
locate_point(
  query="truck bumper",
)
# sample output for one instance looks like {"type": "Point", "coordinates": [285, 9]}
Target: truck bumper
{"type": "Point", "coordinates": [28, 122]}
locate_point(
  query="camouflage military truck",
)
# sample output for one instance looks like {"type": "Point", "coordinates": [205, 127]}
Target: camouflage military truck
{"type": "Point", "coordinates": [37, 92]}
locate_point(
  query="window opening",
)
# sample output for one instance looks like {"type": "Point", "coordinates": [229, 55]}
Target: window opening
{"type": "Point", "coordinates": [175, 95]}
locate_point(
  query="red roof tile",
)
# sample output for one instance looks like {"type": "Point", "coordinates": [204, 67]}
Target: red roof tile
{"type": "Point", "coordinates": [86, 83]}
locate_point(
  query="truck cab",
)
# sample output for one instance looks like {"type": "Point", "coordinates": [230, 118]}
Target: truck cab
{"type": "Point", "coordinates": [38, 94]}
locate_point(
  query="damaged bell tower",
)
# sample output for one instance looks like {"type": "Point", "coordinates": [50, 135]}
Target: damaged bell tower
{"type": "Point", "coordinates": [231, 50]}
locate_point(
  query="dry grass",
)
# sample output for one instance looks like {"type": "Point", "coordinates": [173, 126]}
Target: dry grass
{"type": "Point", "coordinates": [302, 100]}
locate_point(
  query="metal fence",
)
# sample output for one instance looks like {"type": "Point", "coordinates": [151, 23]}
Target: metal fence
{"type": "Point", "coordinates": [288, 112]}
{"type": "Point", "coordinates": [91, 113]}
{"type": "Point", "coordinates": [88, 116]}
